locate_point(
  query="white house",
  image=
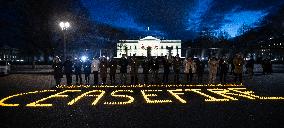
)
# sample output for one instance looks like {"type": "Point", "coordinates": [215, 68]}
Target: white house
{"type": "Point", "coordinates": [148, 46]}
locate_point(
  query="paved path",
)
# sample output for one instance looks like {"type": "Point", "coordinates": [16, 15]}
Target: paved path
{"type": "Point", "coordinates": [195, 113]}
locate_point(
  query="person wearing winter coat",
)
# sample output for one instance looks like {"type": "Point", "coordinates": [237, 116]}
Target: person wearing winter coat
{"type": "Point", "coordinates": [123, 69]}
{"type": "Point", "coordinates": [78, 71]}
{"type": "Point", "coordinates": [188, 69]}
{"type": "Point", "coordinates": [223, 69]}
{"type": "Point", "coordinates": [87, 70]}
{"type": "Point", "coordinates": [176, 67]}
{"type": "Point", "coordinates": [193, 69]}
{"type": "Point", "coordinates": [134, 70]}
{"type": "Point", "coordinates": [166, 65]}
{"type": "Point", "coordinates": [68, 70]}
{"type": "Point", "coordinates": [57, 70]}
{"type": "Point", "coordinates": [238, 64]}
{"type": "Point", "coordinates": [199, 70]}
{"type": "Point", "coordinates": [155, 70]}
{"type": "Point", "coordinates": [95, 70]}
{"type": "Point", "coordinates": [103, 70]}
{"type": "Point", "coordinates": [213, 68]}
{"type": "Point", "coordinates": [112, 70]}
{"type": "Point", "coordinates": [146, 68]}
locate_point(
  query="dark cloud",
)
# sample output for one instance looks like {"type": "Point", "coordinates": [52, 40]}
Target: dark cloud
{"type": "Point", "coordinates": [164, 15]}
{"type": "Point", "coordinates": [214, 17]}
{"type": "Point", "coordinates": [183, 18]}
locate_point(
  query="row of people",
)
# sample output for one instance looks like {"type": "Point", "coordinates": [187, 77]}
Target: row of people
{"type": "Point", "coordinates": [150, 67]}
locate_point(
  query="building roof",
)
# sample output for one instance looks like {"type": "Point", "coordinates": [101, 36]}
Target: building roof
{"type": "Point", "coordinates": [150, 38]}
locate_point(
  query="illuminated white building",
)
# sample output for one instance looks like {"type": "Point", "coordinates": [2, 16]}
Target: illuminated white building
{"type": "Point", "coordinates": [148, 46]}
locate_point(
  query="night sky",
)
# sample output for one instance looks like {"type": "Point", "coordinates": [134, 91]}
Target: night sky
{"type": "Point", "coordinates": [181, 18]}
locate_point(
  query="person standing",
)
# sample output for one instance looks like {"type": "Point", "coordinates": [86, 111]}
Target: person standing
{"type": "Point", "coordinates": [103, 70]}
{"type": "Point", "coordinates": [199, 70]}
{"type": "Point", "coordinates": [145, 66]}
{"type": "Point", "coordinates": [249, 67]}
{"type": "Point", "coordinates": [213, 67]}
{"type": "Point", "coordinates": [112, 70]}
{"type": "Point", "coordinates": [95, 70]}
{"type": "Point", "coordinates": [193, 69]}
{"type": "Point", "coordinates": [167, 66]}
{"type": "Point", "coordinates": [176, 67]}
{"type": "Point", "coordinates": [133, 70]}
{"type": "Point", "coordinates": [123, 69]}
{"type": "Point", "coordinates": [57, 70]}
{"type": "Point", "coordinates": [78, 71]}
{"type": "Point", "coordinates": [188, 69]}
{"type": "Point", "coordinates": [232, 66]}
{"type": "Point", "coordinates": [68, 70]}
{"type": "Point", "coordinates": [156, 67]}
{"type": "Point", "coordinates": [87, 70]}
{"type": "Point", "coordinates": [238, 71]}
{"type": "Point", "coordinates": [223, 66]}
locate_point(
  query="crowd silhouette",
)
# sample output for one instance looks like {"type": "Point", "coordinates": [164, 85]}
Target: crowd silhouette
{"type": "Point", "coordinates": [191, 69]}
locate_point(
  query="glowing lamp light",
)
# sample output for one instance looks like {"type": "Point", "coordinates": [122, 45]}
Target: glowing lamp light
{"type": "Point", "coordinates": [64, 25]}
{"type": "Point", "coordinates": [67, 24]}
{"type": "Point", "coordinates": [84, 58]}
{"type": "Point", "coordinates": [61, 24]}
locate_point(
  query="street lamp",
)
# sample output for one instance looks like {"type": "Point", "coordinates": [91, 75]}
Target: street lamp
{"type": "Point", "coordinates": [64, 26]}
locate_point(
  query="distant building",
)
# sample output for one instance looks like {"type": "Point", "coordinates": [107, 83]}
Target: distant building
{"type": "Point", "coordinates": [148, 46]}
{"type": "Point", "coordinates": [8, 54]}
